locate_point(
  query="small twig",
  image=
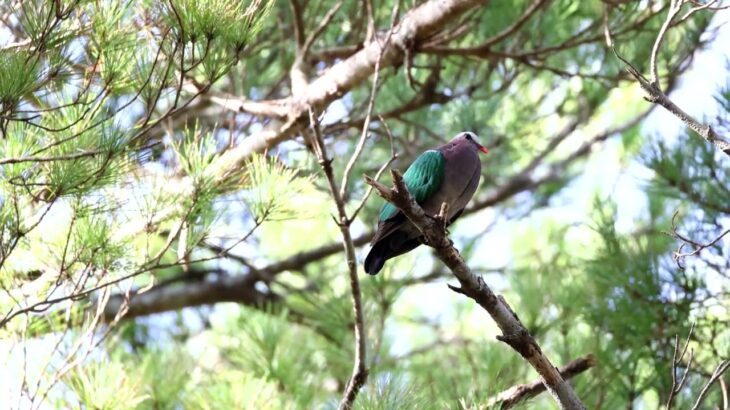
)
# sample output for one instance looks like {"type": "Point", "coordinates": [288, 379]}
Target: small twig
{"type": "Point", "coordinates": [674, 7]}
{"type": "Point", "coordinates": [706, 6]}
{"type": "Point", "coordinates": [516, 25]}
{"type": "Point", "coordinates": [320, 28]}
{"type": "Point", "coordinates": [393, 157]}
{"type": "Point", "coordinates": [719, 370]}
{"type": "Point", "coordinates": [677, 359]}
{"type": "Point", "coordinates": [723, 388]}
{"type": "Point", "coordinates": [297, 14]}
{"type": "Point", "coordinates": [371, 102]}
{"type": "Point", "coordinates": [370, 31]}
{"type": "Point", "coordinates": [698, 246]}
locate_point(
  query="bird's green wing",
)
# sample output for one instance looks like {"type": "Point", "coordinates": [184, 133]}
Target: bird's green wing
{"type": "Point", "coordinates": [422, 179]}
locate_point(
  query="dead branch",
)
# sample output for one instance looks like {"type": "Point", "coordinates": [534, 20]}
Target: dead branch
{"type": "Point", "coordinates": [359, 370]}
{"type": "Point", "coordinates": [677, 360]}
{"type": "Point", "coordinates": [716, 375]}
{"type": "Point", "coordinates": [652, 87]}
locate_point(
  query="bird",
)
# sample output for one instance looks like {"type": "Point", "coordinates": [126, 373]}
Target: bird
{"type": "Point", "coordinates": [449, 173]}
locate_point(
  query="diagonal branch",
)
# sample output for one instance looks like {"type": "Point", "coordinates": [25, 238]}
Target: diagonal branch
{"type": "Point", "coordinates": [524, 180]}
{"type": "Point", "coordinates": [716, 375]}
{"type": "Point", "coordinates": [416, 26]}
{"type": "Point", "coordinates": [516, 394]}
{"type": "Point", "coordinates": [514, 332]}
{"type": "Point", "coordinates": [371, 103]}
{"type": "Point", "coordinates": [652, 88]}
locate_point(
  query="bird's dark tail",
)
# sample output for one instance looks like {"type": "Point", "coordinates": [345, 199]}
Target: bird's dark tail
{"type": "Point", "coordinates": [391, 246]}
{"type": "Point", "coordinates": [376, 258]}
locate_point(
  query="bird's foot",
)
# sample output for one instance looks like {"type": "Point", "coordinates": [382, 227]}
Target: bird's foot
{"type": "Point", "coordinates": [443, 218]}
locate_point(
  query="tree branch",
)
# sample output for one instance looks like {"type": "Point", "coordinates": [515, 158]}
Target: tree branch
{"type": "Point", "coordinates": [419, 23]}
{"type": "Point", "coordinates": [717, 374]}
{"type": "Point", "coordinates": [514, 332]}
{"type": "Point", "coordinates": [677, 359]}
{"type": "Point", "coordinates": [194, 291]}
{"type": "Point", "coordinates": [371, 103]}
{"type": "Point", "coordinates": [515, 394]}
{"type": "Point", "coordinates": [652, 89]}
{"type": "Point", "coordinates": [359, 369]}
{"type": "Point", "coordinates": [522, 181]}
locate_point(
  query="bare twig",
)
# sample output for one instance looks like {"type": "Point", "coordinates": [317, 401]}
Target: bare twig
{"type": "Point", "coordinates": [320, 28]}
{"type": "Point", "coordinates": [370, 31]}
{"type": "Point", "coordinates": [393, 157]}
{"type": "Point", "coordinates": [514, 332]}
{"type": "Point", "coordinates": [698, 7]}
{"type": "Point", "coordinates": [678, 359]}
{"type": "Point", "coordinates": [516, 25]}
{"type": "Point", "coordinates": [359, 370]}
{"type": "Point", "coordinates": [298, 19]}
{"type": "Point", "coordinates": [719, 370]}
{"type": "Point", "coordinates": [698, 246]}
{"type": "Point", "coordinates": [654, 93]}
{"type": "Point", "coordinates": [674, 7]}
{"type": "Point", "coordinates": [516, 394]}
{"type": "Point", "coordinates": [371, 102]}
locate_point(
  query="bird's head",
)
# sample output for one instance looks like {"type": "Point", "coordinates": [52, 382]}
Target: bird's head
{"type": "Point", "coordinates": [470, 138]}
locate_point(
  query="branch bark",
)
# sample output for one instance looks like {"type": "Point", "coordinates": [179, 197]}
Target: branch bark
{"type": "Point", "coordinates": [193, 292]}
{"type": "Point", "coordinates": [652, 88]}
{"type": "Point", "coordinates": [416, 26]}
{"type": "Point", "coordinates": [359, 369]}
{"type": "Point", "coordinates": [514, 332]}
{"type": "Point", "coordinates": [516, 394]}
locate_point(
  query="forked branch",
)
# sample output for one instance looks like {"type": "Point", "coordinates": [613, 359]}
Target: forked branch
{"type": "Point", "coordinates": [359, 370]}
{"type": "Point", "coordinates": [521, 392]}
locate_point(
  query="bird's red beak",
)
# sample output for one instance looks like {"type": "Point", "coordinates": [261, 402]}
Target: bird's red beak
{"type": "Point", "coordinates": [483, 149]}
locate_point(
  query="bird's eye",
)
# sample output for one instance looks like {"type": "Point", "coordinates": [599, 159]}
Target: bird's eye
{"type": "Point", "coordinates": [468, 136]}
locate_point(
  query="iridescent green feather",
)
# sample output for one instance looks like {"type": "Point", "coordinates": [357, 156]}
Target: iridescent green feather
{"type": "Point", "coordinates": [422, 179]}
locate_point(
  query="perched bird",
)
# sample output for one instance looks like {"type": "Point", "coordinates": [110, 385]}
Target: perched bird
{"type": "Point", "coordinates": [450, 173]}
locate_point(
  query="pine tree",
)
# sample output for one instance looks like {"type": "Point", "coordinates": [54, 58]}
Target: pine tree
{"type": "Point", "coordinates": [183, 218]}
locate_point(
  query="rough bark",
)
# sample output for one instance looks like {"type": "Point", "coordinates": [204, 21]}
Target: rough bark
{"type": "Point", "coordinates": [194, 292]}
{"type": "Point", "coordinates": [335, 82]}
{"type": "Point", "coordinates": [521, 392]}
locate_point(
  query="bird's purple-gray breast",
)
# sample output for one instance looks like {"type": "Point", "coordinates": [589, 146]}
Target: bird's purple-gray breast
{"type": "Point", "coordinates": [462, 170]}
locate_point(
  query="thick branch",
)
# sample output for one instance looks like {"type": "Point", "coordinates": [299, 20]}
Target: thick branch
{"type": "Point", "coordinates": [416, 26]}
{"type": "Point", "coordinates": [515, 394]}
{"type": "Point", "coordinates": [514, 332]}
{"type": "Point", "coordinates": [193, 292]}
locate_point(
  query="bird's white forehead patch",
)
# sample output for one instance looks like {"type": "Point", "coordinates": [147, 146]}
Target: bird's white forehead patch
{"type": "Point", "coordinates": [473, 136]}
